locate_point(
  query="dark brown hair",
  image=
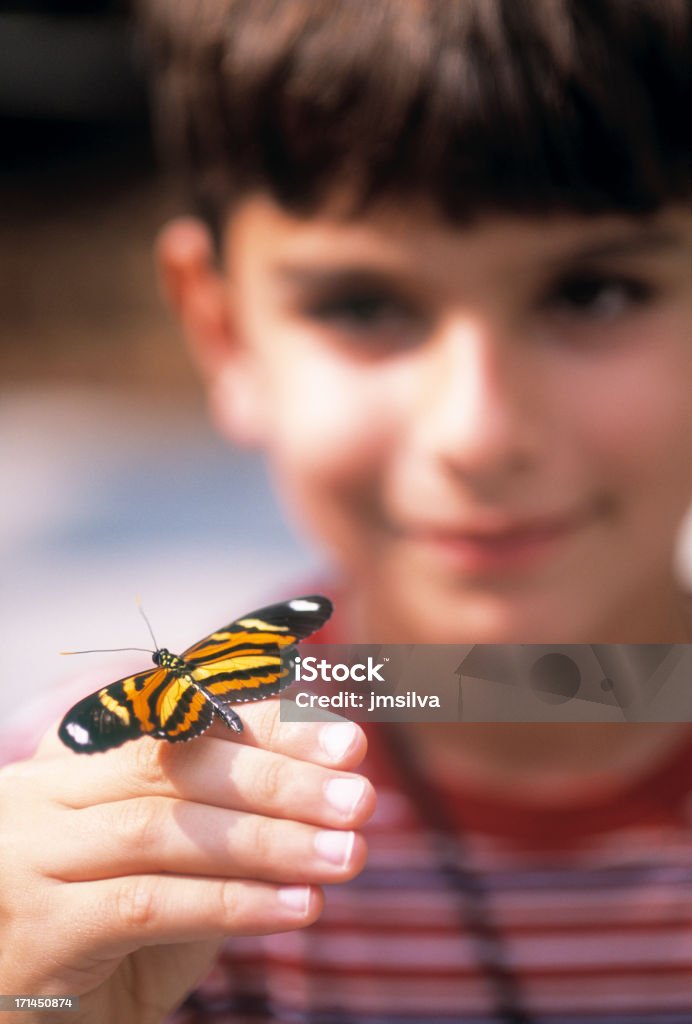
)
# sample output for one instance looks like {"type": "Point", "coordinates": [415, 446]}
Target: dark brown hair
{"type": "Point", "coordinates": [480, 105]}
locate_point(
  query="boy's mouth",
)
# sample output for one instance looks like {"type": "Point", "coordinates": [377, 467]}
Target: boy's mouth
{"type": "Point", "coordinates": [512, 544]}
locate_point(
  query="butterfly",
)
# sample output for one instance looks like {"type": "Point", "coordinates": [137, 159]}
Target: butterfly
{"type": "Point", "coordinates": [250, 659]}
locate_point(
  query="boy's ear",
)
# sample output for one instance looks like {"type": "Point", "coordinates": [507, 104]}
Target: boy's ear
{"type": "Point", "coordinates": [199, 297]}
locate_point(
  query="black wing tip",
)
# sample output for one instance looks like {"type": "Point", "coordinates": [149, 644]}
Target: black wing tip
{"type": "Point", "coordinates": [302, 615]}
{"type": "Point", "coordinates": [81, 740]}
{"type": "Point", "coordinates": [90, 728]}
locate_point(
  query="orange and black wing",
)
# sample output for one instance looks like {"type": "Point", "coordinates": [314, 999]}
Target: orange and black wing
{"type": "Point", "coordinates": [152, 703]}
{"type": "Point", "coordinates": [253, 657]}
{"type": "Point", "coordinates": [250, 659]}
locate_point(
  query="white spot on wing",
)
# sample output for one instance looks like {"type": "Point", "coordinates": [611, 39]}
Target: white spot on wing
{"type": "Point", "coordinates": [300, 605]}
{"type": "Point", "coordinates": [78, 733]}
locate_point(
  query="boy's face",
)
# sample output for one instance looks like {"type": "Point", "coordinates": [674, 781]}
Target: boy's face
{"type": "Point", "coordinates": [489, 428]}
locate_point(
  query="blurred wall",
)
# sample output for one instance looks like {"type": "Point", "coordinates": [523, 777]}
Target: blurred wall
{"type": "Point", "coordinates": [114, 484]}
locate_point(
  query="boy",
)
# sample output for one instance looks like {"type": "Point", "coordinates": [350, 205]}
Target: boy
{"type": "Point", "coordinates": [446, 289]}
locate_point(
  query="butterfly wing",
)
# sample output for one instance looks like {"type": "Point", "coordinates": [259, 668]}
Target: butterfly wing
{"type": "Point", "coordinates": [252, 657]}
{"type": "Point", "coordinates": [108, 717]}
{"type": "Point", "coordinates": [152, 703]}
{"type": "Point", "coordinates": [180, 710]}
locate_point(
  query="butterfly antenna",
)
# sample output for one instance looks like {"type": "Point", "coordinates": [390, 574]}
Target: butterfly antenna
{"type": "Point", "coordinates": [144, 616]}
{"type": "Point", "coordinates": [108, 650]}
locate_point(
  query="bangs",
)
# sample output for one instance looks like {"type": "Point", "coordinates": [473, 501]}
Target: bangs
{"type": "Point", "coordinates": [476, 105]}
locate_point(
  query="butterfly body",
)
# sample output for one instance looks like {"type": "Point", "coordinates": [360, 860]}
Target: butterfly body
{"type": "Point", "coordinates": [250, 659]}
{"type": "Point", "coordinates": [164, 659]}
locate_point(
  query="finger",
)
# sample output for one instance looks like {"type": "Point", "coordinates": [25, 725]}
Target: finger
{"type": "Point", "coordinates": [115, 916]}
{"type": "Point", "coordinates": [153, 835]}
{"type": "Point", "coordinates": [148, 763]}
{"type": "Point", "coordinates": [341, 742]}
{"type": "Point", "coordinates": [337, 743]}
{"type": "Point", "coordinates": [226, 775]}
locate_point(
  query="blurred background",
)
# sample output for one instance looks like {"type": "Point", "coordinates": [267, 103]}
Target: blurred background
{"type": "Point", "coordinates": [113, 483]}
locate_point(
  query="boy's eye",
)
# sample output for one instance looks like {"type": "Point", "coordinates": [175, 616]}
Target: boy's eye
{"type": "Point", "coordinates": [598, 296]}
{"type": "Point", "coordinates": [384, 318]}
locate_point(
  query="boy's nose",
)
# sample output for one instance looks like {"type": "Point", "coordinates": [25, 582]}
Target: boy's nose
{"type": "Point", "coordinates": [479, 405]}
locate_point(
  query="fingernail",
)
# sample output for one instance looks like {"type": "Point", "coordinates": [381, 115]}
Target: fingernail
{"type": "Point", "coordinates": [335, 847]}
{"type": "Point", "coordinates": [344, 795]}
{"type": "Point", "coordinates": [295, 898]}
{"type": "Point", "coordinates": [336, 738]}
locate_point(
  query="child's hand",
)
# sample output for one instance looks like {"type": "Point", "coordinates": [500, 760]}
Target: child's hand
{"type": "Point", "coordinates": [122, 872]}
